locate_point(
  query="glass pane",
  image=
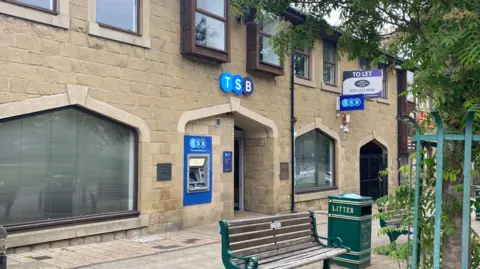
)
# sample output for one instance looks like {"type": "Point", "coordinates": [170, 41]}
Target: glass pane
{"type": "Point", "coordinates": [64, 164]}
{"type": "Point", "coordinates": [314, 153]}
{"type": "Point", "coordinates": [301, 65]}
{"type": "Point", "coordinates": [328, 52]}
{"type": "Point", "coordinates": [209, 32]}
{"type": "Point", "coordinates": [118, 13]}
{"type": "Point", "coordinates": [266, 52]}
{"type": "Point", "coordinates": [216, 7]}
{"type": "Point", "coordinates": [305, 161]}
{"type": "Point", "coordinates": [269, 25]}
{"type": "Point", "coordinates": [47, 4]}
{"type": "Point", "coordinates": [329, 73]}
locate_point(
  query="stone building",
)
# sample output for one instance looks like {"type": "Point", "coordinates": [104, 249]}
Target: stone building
{"type": "Point", "coordinates": [113, 122]}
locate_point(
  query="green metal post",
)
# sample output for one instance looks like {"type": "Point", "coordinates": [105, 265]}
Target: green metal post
{"type": "Point", "coordinates": [467, 166]}
{"type": "Point", "coordinates": [417, 190]}
{"type": "Point", "coordinates": [438, 194]}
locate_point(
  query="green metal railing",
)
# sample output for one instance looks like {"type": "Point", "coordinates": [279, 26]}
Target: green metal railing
{"type": "Point", "coordinates": [440, 137]}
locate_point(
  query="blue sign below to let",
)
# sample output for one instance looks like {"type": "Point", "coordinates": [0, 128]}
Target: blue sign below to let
{"type": "Point", "coordinates": [352, 102]}
{"type": "Point", "coordinates": [227, 161]}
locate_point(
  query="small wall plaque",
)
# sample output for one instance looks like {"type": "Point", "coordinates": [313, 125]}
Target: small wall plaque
{"type": "Point", "coordinates": [284, 175]}
{"type": "Point", "coordinates": [164, 171]}
{"type": "Point", "coordinates": [227, 161]}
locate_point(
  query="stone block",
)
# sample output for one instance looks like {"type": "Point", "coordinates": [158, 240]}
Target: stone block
{"type": "Point", "coordinates": [77, 241]}
{"type": "Point", "coordinates": [107, 237]}
{"type": "Point", "coordinates": [42, 246]}
{"type": "Point", "coordinates": [38, 87]}
{"type": "Point", "coordinates": [18, 85]}
{"type": "Point", "coordinates": [134, 233]}
{"type": "Point", "coordinates": [60, 244]}
{"type": "Point", "coordinates": [120, 235]}
{"type": "Point", "coordinates": [19, 250]}
{"type": "Point", "coordinates": [92, 239]}
{"type": "Point", "coordinates": [87, 80]}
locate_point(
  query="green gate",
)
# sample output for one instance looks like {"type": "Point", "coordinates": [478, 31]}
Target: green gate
{"type": "Point", "coordinates": [440, 137]}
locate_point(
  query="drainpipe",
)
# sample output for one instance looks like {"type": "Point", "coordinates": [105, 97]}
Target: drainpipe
{"type": "Point", "coordinates": [292, 133]}
{"type": "Point", "coordinates": [399, 112]}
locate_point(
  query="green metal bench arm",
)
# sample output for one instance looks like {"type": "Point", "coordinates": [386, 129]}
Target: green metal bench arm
{"type": "Point", "coordinates": [250, 262]}
{"type": "Point", "coordinates": [329, 239]}
{"type": "Point", "coordinates": [332, 239]}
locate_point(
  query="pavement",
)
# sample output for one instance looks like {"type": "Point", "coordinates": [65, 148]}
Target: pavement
{"type": "Point", "coordinates": [190, 248]}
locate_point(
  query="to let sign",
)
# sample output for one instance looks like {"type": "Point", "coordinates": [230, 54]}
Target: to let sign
{"type": "Point", "coordinates": [365, 82]}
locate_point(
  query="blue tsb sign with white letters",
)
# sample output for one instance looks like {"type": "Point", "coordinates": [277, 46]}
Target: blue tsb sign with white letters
{"type": "Point", "coordinates": [236, 84]}
{"type": "Point", "coordinates": [352, 102]}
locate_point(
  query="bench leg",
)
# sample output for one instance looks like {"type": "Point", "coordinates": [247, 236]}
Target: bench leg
{"type": "Point", "coordinates": [326, 264]}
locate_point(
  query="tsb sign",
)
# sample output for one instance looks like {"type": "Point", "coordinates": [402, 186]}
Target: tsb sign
{"type": "Point", "coordinates": [235, 84]}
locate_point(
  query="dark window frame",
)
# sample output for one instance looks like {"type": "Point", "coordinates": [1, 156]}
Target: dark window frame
{"type": "Point", "coordinates": [45, 224]}
{"type": "Point", "coordinates": [189, 45]}
{"type": "Point", "coordinates": [109, 26]}
{"type": "Point", "coordinates": [308, 55]}
{"type": "Point", "coordinates": [53, 11]}
{"type": "Point", "coordinates": [254, 64]}
{"type": "Point", "coordinates": [334, 170]}
{"type": "Point", "coordinates": [334, 63]}
{"type": "Point", "coordinates": [384, 80]}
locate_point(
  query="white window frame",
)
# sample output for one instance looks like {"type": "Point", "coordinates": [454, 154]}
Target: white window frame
{"type": "Point", "coordinates": [61, 19]}
{"type": "Point", "coordinates": [141, 40]}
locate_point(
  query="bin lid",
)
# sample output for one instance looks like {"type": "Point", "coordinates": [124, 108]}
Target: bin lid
{"type": "Point", "coordinates": [351, 197]}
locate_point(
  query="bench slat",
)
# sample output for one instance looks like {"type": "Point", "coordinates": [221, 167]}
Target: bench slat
{"type": "Point", "coordinates": [234, 223]}
{"type": "Point", "coordinates": [266, 226]}
{"type": "Point", "coordinates": [272, 253]}
{"type": "Point", "coordinates": [288, 255]}
{"type": "Point", "coordinates": [271, 232]}
{"type": "Point", "coordinates": [253, 251]}
{"type": "Point", "coordinates": [300, 261]}
{"type": "Point", "coordinates": [269, 240]}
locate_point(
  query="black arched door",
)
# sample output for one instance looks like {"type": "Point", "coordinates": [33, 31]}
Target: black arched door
{"type": "Point", "coordinates": [372, 161]}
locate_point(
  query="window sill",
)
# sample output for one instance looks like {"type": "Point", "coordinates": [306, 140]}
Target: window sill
{"type": "Point", "coordinates": [304, 82]}
{"type": "Point", "coordinates": [62, 20]}
{"type": "Point", "coordinates": [331, 88]}
{"type": "Point", "coordinates": [141, 41]}
{"type": "Point", "coordinates": [383, 101]}
{"type": "Point", "coordinates": [69, 232]}
{"type": "Point", "coordinates": [319, 194]}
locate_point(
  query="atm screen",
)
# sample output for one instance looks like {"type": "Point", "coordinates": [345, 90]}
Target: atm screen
{"type": "Point", "coordinates": [196, 162]}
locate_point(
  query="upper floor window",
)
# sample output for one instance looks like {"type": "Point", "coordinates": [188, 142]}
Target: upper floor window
{"type": "Point", "coordinates": [118, 14]}
{"type": "Point", "coordinates": [205, 29]}
{"type": "Point", "coordinates": [384, 81]}
{"type": "Point", "coordinates": [47, 5]}
{"type": "Point", "coordinates": [260, 55]}
{"type": "Point", "coordinates": [266, 53]}
{"type": "Point", "coordinates": [329, 63]}
{"type": "Point", "coordinates": [50, 12]}
{"type": "Point", "coordinates": [301, 60]}
{"type": "Point", "coordinates": [126, 21]}
{"type": "Point", "coordinates": [210, 24]}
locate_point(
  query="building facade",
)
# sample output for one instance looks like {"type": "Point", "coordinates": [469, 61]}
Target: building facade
{"type": "Point", "coordinates": [120, 119]}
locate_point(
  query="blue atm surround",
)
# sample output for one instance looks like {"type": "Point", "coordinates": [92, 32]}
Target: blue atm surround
{"type": "Point", "coordinates": [197, 145]}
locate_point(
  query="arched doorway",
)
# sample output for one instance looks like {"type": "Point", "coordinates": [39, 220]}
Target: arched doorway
{"type": "Point", "coordinates": [373, 159]}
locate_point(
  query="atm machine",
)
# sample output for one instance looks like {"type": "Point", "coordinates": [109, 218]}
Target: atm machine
{"type": "Point", "coordinates": [198, 173]}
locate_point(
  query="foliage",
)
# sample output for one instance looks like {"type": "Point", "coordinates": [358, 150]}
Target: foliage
{"type": "Point", "coordinates": [403, 197]}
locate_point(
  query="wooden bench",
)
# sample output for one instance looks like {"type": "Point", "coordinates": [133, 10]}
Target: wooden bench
{"type": "Point", "coordinates": [283, 241]}
{"type": "Point", "coordinates": [393, 218]}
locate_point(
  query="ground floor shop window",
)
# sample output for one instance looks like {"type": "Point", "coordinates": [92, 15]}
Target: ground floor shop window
{"type": "Point", "coordinates": [314, 168]}
{"type": "Point", "coordinates": [63, 164]}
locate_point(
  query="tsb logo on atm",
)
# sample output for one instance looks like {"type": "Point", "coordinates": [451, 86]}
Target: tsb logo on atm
{"type": "Point", "coordinates": [236, 84]}
{"type": "Point", "coordinates": [197, 143]}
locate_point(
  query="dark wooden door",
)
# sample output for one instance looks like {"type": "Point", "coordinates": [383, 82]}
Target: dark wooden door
{"type": "Point", "coordinates": [371, 183]}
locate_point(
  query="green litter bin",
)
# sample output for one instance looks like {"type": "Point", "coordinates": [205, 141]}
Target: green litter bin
{"type": "Point", "coordinates": [350, 218]}
{"type": "Point", "coordinates": [477, 209]}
